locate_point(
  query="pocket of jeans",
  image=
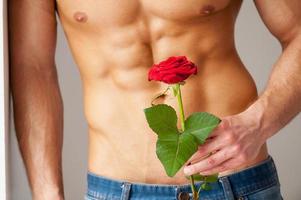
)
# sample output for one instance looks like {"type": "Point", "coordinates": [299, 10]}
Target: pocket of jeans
{"type": "Point", "coordinates": [270, 193]}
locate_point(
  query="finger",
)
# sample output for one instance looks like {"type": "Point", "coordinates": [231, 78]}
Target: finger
{"type": "Point", "coordinates": [194, 158]}
{"type": "Point", "coordinates": [198, 155]}
{"type": "Point", "coordinates": [216, 132]}
{"type": "Point", "coordinates": [226, 165]}
{"type": "Point", "coordinates": [211, 145]}
{"type": "Point", "coordinates": [208, 163]}
{"type": "Point", "coordinates": [224, 125]}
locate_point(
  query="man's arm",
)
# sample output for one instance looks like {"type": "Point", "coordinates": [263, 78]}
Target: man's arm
{"type": "Point", "coordinates": [281, 100]}
{"type": "Point", "coordinates": [37, 102]}
{"type": "Point", "coordinates": [240, 137]}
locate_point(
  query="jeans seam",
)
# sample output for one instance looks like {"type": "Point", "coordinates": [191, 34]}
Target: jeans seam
{"type": "Point", "coordinates": [228, 191]}
{"type": "Point", "coordinates": [125, 193]}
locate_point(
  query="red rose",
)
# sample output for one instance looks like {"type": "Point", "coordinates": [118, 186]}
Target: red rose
{"type": "Point", "coordinates": [173, 70]}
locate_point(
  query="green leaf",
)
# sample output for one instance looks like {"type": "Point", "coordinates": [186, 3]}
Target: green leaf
{"type": "Point", "coordinates": [174, 148]}
{"type": "Point", "coordinates": [173, 152]}
{"type": "Point", "coordinates": [201, 124]}
{"type": "Point", "coordinates": [206, 186]}
{"type": "Point", "coordinates": [209, 179]}
{"type": "Point", "coordinates": [212, 178]}
{"type": "Point", "coordinates": [196, 177]}
{"type": "Point", "coordinates": [162, 119]}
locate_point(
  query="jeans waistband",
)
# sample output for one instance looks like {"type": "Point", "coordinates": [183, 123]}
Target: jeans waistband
{"type": "Point", "coordinates": [250, 180]}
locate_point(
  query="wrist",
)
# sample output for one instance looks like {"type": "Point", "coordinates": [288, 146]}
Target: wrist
{"type": "Point", "coordinates": [260, 122]}
{"type": "Point", "coordinates": [50, 193]}
{"type": "Point", "coordinates": [47, 196]}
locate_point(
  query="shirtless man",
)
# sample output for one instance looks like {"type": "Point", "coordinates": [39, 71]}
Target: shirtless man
{"type": "Point", "coordinates": [114, 43]}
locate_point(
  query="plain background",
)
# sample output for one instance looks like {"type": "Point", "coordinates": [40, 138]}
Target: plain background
{"type": "Point", "coordinates": [258, 50]}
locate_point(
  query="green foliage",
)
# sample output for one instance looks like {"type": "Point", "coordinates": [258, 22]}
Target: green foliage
{"type": "Point", "coordinates": [174, 148]}
{"type": "Point", "coordinates": [206, 186]}
{"type": "Point", "coordinates": [209, 179]}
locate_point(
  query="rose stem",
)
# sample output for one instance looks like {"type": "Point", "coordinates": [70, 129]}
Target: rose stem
{"type": "Point", "coordinates": [180, 103]}
{"type": "Point", "coordinates": [182, 118]}
{"type": "Point", "coordinates": [195, 193]}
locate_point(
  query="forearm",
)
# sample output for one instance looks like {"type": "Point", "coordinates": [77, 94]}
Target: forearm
{"type": "Point", "coordinates": [38, 116]}
{"type": "Point", "coordinates": [281, 99]}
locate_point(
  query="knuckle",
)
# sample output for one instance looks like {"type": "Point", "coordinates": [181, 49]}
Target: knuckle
{"type": "Point", "coordinates": [211, 161]}
{"type": "Point", "coordinates": [193, 168]}
{"type": "Point", "coordinates": [202, 148]}
{"type": "Point", "coordinates": [243, 157]}
{"type": "Point", "coordinates": [223, 167]}
{"type": "Point", "coordinates": [226, 123]}
{"type": "Point", "coordinates": [237, 148]}
{"type": "Point", "coordinates": [230, 138]}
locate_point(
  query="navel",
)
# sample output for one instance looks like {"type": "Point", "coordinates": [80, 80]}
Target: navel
{"type": "Point", "coordinates": [208, 9]}
{"type": "Point", "coordinates": [80, 16]}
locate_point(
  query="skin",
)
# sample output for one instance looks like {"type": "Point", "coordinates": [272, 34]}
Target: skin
{"type": "Point", "coordinates": [114, 43]}
{"type": "Point", "coordinates": [239, 137]}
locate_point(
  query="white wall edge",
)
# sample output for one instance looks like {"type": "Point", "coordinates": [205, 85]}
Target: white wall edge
{"type": "Point", "coordinates": [4, 103]}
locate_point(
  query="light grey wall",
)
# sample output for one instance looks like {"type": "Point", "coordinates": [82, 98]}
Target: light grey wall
{"type": "Point", "coordinates": [258, 50]}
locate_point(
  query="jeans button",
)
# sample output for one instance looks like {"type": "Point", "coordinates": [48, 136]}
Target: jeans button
{"type": "Point", "coordinates": [183, 196]}
{"type": "Point", "coordinates": [240, 198]}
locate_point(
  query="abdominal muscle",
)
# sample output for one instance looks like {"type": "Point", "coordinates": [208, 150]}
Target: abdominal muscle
{"type": "Point", "coordinates": [121, 144]}
{"type": "Point", "coordinates": [113, 64]}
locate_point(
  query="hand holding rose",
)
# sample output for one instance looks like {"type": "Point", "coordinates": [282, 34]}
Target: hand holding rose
{"type": "Point", "coordinates": [235, 141]}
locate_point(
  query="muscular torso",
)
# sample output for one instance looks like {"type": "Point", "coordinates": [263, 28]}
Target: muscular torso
{"type": "Point", "coordinates": [114, 43]}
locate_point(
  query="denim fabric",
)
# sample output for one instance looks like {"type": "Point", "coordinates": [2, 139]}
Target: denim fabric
{"type": "Point", "coordinates": [259, 182]}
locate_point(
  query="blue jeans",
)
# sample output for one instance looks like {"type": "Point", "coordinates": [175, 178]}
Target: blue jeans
{"type": "Point", "coordinates": [259, 182]}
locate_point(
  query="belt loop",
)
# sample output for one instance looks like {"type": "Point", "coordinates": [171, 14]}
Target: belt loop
{"type": "Point", "coordinates": [227, 188]}
{"type": "Point", "coordinates": [126, 187]}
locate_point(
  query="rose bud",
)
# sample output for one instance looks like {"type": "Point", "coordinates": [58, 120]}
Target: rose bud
{"type": "Point", "coordinates": [175, 69]}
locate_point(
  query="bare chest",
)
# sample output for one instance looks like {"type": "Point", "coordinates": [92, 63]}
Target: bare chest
{"type": "Point", "coordinates": [141, 32]}
{"type": "Point", "coordinates": [123, 12]}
